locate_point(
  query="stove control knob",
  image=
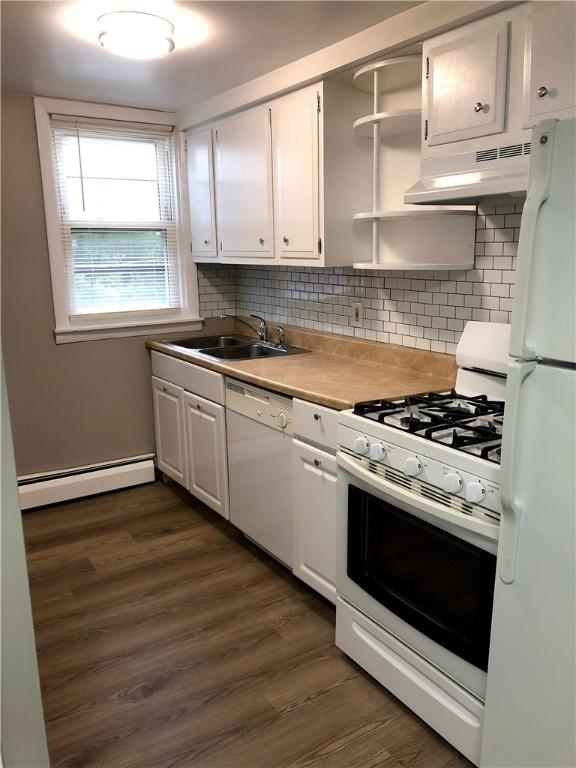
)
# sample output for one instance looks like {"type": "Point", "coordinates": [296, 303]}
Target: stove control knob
{"type": "Point", "coordinates": [475, 492]}
{"type": "Point", "coordinates": [452, 482]}
{"type": "Point", "coordinates": [412, 466]}
{"type": "Point", "coordinates": [361, 445]}
{"type": "Point", "coordinates": [377, 451]}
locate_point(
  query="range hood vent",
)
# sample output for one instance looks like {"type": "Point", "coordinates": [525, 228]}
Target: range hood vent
{"type": "Point", "coordinates": [466, 177]}
{"type": "Point", "coordinates": [499, 153]}
{"type": "Point", "coordinates": [487, 154]}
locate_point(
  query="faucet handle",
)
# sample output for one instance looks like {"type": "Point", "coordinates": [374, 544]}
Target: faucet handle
{"type": "Point", "coordinates": [281, 336]}
{"type": "Point", "coordinates": [262, 330]}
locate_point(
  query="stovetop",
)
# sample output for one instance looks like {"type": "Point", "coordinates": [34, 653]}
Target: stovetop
{"type": "Point", "coordinates": [469, 424]}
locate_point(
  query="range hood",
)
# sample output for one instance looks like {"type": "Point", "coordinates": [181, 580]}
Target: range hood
{"type": "Point", "coordinates": [469, 176]}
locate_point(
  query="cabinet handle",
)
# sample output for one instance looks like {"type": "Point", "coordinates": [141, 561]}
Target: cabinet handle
{"type": "Point", "coordinates": [542, 91]}
{"type": "Point", "coordinates": [317, 417]}
{"type": "Point", "coordinates": [285, 240]}
{"type": "Point", "coordinates": [261, 240]}
{"type": "Point", "coordinates": [317, 462]}
{"type": "Point", "coordinates": [198, 406]}
{"type": "Point", "coordinates": [164, 389]}
{"type": "Point", "coordinates": [206, 242]}
{"type": "Point", "coordinates": [479, 107]}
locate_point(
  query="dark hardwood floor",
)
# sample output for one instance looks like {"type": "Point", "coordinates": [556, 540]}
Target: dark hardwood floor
{"type": "Point", "coordinates": [166, 639]}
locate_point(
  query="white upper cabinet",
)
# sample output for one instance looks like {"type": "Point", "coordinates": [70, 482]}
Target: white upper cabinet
{"type": "Point", "coordinates": [295, 126]}
{"type": "Point", "coordinates": [201, 194]}
{"type": "Point", "coordinates": [464, 94]}
{"type": "Point", "coordinates": [243, 173]}
{"type": "Point", "coordinates": [288, 179]}
{"type": "Point", "coordinates": [550, 62]}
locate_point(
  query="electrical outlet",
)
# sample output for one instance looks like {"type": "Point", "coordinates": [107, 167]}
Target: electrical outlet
{"type": "Point", "coordinates": [357, 314]}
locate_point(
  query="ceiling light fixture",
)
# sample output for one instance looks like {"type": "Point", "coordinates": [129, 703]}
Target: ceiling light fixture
{"type": "Point", "coordinates": [135, 34]}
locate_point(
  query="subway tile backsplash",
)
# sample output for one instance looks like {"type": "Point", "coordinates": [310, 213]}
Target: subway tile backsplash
{"type": "Point", "coordinates": [426, 310]}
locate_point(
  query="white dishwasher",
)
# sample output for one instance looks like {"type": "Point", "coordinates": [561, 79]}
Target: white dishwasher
{"type": "Point", "coordinates": [259, 434]}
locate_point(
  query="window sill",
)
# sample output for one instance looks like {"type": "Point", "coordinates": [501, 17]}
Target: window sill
{"type": "Point", "coordinates": [122, 330]}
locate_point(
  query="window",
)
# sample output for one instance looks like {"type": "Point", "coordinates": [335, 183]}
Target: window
{"type": "Point", "coordinates": [114, 246]}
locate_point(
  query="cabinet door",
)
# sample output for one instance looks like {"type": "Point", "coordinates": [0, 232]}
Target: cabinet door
{"type": "Point", "coordinates": [295, 155]}
{"type": "Point", "coordinates": [170, 448]}
{"type": "Point", "coordinates": [314, 473]}
{"type": "Point", "coordinates": [465, 84]}
{"type": "Point", "coordinates": [201, 194]}
{"type": "Point", "coordinates": [204, 425]}
{"type": "Point", "coordinates": [243, 171]}
{"type": "Point", "coordinates": [550, 63]}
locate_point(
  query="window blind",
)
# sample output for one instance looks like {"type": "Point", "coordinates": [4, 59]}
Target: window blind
{"type": "Point", "coordinates": [118, 217]}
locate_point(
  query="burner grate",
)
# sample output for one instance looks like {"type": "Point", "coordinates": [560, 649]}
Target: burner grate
{"type": "Point", "coordinates": [459, 421]}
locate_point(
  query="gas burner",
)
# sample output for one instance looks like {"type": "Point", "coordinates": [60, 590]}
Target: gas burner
{"type": "Point", "coordinates": [410, 422]}
{"type": "Point", "coordinates": [465, 433]}
{"type": "Point", "coordinates": [410, 418]}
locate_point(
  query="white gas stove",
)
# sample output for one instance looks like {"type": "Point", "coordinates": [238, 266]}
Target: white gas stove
{"type": "Point", "coordinates": [448, 441]}
{"type": "Point", "coordinates": [418, 528]}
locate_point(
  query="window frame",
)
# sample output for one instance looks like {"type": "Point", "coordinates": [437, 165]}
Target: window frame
{"type": "Point", "coordinates": [130, 323]}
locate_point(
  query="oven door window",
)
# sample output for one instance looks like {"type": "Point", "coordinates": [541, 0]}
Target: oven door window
{"type": "Point", "coordinates": [441, 585]}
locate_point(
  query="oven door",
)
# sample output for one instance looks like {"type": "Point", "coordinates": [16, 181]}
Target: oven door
{"type": "Point", "coordinates": [420, 570]}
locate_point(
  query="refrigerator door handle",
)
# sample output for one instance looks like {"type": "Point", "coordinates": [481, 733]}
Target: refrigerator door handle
{"type": "Point", "coordinates": [543, 137]}
{"type": "Point", "coordinates": [511, 509]}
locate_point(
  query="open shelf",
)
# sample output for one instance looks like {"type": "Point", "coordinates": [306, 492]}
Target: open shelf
{"type": "Point", "coordinates": [391, 123]}
{"type": "Point", "coordinates": [417, 214]}
{"type": "Point", "coordinates": [394, 74]}
{"type": "Point", "coordinates": [410, 238]}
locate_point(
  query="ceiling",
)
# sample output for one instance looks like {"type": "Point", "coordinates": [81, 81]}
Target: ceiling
{"type": "Point", "coordinates": [49, 46]}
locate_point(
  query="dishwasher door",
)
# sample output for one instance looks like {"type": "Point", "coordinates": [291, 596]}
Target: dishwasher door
{"type": "Point", "coordinates": [259, 434]}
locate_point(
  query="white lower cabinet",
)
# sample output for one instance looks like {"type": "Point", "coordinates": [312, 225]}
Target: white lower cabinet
{"type": "Point", "coordinates": [191, 429]}
{"type": "Point", "coordinates": [170, 448]}
{"type": "Point", "coordinates": [314, 494]}
{"type": "Point", "coordinates": [205, 433]}
{"type": "Point", "coordinates": [191, 448]}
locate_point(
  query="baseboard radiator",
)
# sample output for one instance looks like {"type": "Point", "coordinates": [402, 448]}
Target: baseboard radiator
{"type": "Point", "coordinates": [64, 485]}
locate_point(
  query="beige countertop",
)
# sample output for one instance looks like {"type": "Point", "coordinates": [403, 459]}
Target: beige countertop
{"type": "Point", "coordinates": [337, 371]}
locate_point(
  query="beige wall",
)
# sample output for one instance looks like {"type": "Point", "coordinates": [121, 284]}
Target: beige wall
{"type": "Point", "coordinates": [71, 404]}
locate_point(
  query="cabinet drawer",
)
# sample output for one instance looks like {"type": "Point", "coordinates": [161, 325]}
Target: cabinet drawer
{"type": "Point", "coordinates": [200, 381]}
{"type": "Point", "coordinates": [316, 423]}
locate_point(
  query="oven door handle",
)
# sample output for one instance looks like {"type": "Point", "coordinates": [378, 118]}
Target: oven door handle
{"type": "Point", "coordinates": [458, 519]}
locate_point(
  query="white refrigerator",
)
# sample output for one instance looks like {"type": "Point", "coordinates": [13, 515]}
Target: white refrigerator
{"type": "Point", "coordinates": [530, 716]}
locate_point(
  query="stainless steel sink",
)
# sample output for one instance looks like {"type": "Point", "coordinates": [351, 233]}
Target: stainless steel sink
{"type": "Point", "coordinates": [233, 347]}
{"type": "Point", "coordinates": [249, 351]}
{"type": "Point", "coordinates": [209, 342]}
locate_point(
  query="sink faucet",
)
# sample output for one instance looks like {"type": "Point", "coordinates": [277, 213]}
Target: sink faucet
{"type": "Point", "coordinates": [281, 337]}
{"type": "Point", "coordinates": [262, 327]}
